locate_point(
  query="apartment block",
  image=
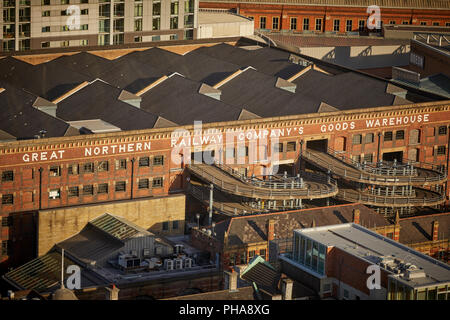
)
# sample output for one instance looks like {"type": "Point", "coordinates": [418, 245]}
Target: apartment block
{"type": "Point", "coordinates": [37, 24]}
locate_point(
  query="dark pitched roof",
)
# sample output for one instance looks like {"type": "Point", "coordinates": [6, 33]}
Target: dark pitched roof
{"type": "Point", "coordinates": [266, 60]}
{"type": "Point", "coordinates": [20, 119]}
{"type": "Point", "coordinates": [46, 80]}
{"type": "Point", "coordinates": [251, 229]}
{"type": "Point", "coordinates": [131, 75]}
{"type": "Point", "coordinates": [360, 91]}
{"type": "Point", "coordinates": [85, 63]}
{"type": "Point", "coordinates": [419, 229]}
{"type": "Point", "coordinates": [177, 99]}
{"type": "Point", "coordinates": [256, 92]}
{"type": "Point", "coordinates": [99, 100]}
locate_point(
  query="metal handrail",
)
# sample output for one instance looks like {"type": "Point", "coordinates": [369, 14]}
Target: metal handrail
{"type": "Point", "coordinates": [263, 193]}
{"type": "Point", "coordinates": [370, 178]}
{"type": "Point", "coordinates": [362, 197]}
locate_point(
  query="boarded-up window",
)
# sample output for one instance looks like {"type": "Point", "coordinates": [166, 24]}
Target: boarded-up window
{"type": "Point", "coordinates": [414, 136]}
{"type": "Point", "coordinates": [413, 155]}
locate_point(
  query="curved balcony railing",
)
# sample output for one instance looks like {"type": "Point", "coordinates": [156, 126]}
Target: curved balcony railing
{"type": "Point", "coordinates": [348, 171]}
{"type": "Point", "coordinates": [423, 198]}
{"type": "Point", "coordinates": [276, 191]}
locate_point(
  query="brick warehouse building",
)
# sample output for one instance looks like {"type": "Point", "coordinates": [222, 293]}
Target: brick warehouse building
{"type": "Point", "coordinates": [336, 16]}
{"type": "Point", "coordinates": [118, 159]}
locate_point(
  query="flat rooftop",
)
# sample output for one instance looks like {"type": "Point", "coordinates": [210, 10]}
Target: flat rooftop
{"type": "Point", "coordinates": [376, 249]}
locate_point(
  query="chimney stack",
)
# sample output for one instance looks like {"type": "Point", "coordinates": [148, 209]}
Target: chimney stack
{"type": "Point", "coordinates": [356, 217]}
{"type": "Point", "coordinates": [231, 278]}
{"type": "Point", "coordinates": [397, 227]}
{"type": "Point", "coordinates": [112, 293]}
{"type": "Point", "coordinates": [286, 288]}
{"type": "Point", "coordinates": [435, 230]}
{"type": "Point", "coordinates": [270, 230]}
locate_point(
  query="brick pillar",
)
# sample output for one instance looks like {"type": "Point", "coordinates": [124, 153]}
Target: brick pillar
{"type": "Point", "coordinates": [270, 230]}
{"type": "Point", "coordinates": [397, 227]}
{"type": "Point", "coordinates": [112, 293]}
{"type": "Point", "coordinates": [356, 214]}
{"type": "Point", "coordinates": [435, 230]}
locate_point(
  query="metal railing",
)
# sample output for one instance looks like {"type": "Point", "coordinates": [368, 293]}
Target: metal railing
{"type": "Point", "coordinates": [348, 171]}
{"type": "Point", "coordinates": [429, 198]}
{"type": "Point", "coordinates": [199, 194]}
{"type": "Point", "coordinates": [281, 191]}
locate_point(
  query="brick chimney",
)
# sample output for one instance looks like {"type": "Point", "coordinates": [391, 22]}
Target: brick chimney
{"type": "Point", "coordinates": [435, 230]}
{"type": "Point", "coordinates": [270, 230]}
{"type": "Point", "coordinates": [231, 278]}
{"type": "Point", "coordinates": [397, 227]}
{"type": "Point", "coordinates": [356, 214]}
{"type": "Point", "coordinates": [112, 293]}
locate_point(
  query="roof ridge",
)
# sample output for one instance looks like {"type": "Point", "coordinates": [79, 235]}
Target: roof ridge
{"type": "Point", "coordinates": [426, 216]}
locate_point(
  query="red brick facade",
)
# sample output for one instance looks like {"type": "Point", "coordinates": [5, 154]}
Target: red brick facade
{"type": "Point", "coordinates": [31, 189]}
{"type": "Point", "coordinates": [327, 15]}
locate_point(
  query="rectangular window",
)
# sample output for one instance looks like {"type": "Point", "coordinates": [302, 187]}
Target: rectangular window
{"type": "Point", "coordinates": [174, 8]}
{"type": "Point", "coordinates": [7, 175]}
{"type": "Point", "coordinates": [243, 257]}
{"type": "Point", "coordinates": [73, 192]}
{"type": "Point", "coordinates": [361, 25]}
{"type": "Point", "coordinates": [349, 26]}
{"type": "Point", "coordinates": [156, 8]}
{"type": "Point", "coordinates": [440, 150]}
{"type": "Point", "coordinates": [72, 169]}
{"type": "Point", "coordinates": [370, 138]}
{"type": "Point", "coordinates": [175, 225]}
{"type": "Point", "coordinates": [436, 24]}
{"type": "Point", "coordinates": [103, 166]}
{"type": "Point", "coordinates": [7, 221]}
{"type": "Point", "coordinates": [102, 188]}
{"type": "Point", "coordinates": [291, 146]}
{"type": "Point", "coordinates": [174, 23]}
{"type": "Point", "coordinates": [121, 186]}
{"type": "Point", "coordinates": [144, 162]}
{"type": "Point", "coordinates": [156, 23]}
{"type": "Point", "coordinates": [165, 226]}
{"type": "Point", "coordinates": [157, 182]}
{"type": "Point", "coordinates": [293, 23]}
{"type": "Point", "coordinates": [356, 158]}
{"type": "Point", "coordinates": [7, 199]}
{"type": "Point", "coordinates": [46, 29]}
{"type": "Point", "coordinates": [442, 130]}
{"type": "Point", "coordinates": [121, 164]}
{"type": "Point", "coordinates": [243, 151]}
{"type": "Point", "coordinates": [308, 253]}
{"type": "Point", "coordinates": [357, 139]}
{"type": "Point", "coordinates": [229, 153]}
{"type": "Point", "coordinates": [138, 10]}
{"type": "Point", "coordinates": [278, 147]}
{"type": "Point", "coordinates": [88, 190]}
{"type": "Point", "coordinates": [262, 253]}
{"type": "Point", "coordinates": [251, 254]}
{"type": "Point", "coordinates": [138, 25]}
{"type": "Point", "coordinates": [275, 23]}
{"type": "Point", "coordinates": [400, 135]}
{"type": "Point", "coordinates": [306, 24]}
{"type": "Point", "coordinates": [5, 248]}
{"type": "Point", "coordinates": [262, 22]}
{"type": "Point", "coordinates": [368, 158]}
{"type": "Point", "coordinates": [405, 22]}
{"type": "Point", "coordinates": [318, 24]}
{"type": "Point", "coordinates": [158, 160]}
{"type": "Point", "coordinates": [143, 184]}
{"type": "Point", "coordinates": [336, 25]}
{"type": "Point", "coordinates": [388, 136]}
{"type": "Point", "coordinates": [88, 167]}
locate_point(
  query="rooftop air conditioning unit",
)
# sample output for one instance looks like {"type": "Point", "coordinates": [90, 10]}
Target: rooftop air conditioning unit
{"type": "Point", "coordinates": [188, 263]}
{"type": "Point", "coordinates": [178, 264]}
{"type": "Point", "coordinates": [168, 264]}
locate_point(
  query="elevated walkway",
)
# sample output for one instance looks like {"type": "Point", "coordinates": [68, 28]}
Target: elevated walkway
{"type": "Point", "coordinates": [230, 181]}
{"type": "Point", "coordinates": [386, 174]}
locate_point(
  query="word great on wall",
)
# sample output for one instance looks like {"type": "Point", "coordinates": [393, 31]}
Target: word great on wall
{"type": "Point", "coordinates": [88, 151]}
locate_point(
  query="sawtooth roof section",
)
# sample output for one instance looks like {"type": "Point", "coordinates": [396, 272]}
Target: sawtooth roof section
{"type": "Point", "coordinates": [420, 229]}
{"type": "Point", "coordinates": [266, 60]}
{"type": "Point", "coordinates": [100, 100]}
{"type": "Point", "coordinates": [85, 63]}
{"type": "Point", "coordinates": [344, 91]}
{"type": "Point", "coordinates": [177, 99]}
{"type": "Point", "coordinates": [257, 93]}
{"type": "Point", "coordinates": [20, 119]}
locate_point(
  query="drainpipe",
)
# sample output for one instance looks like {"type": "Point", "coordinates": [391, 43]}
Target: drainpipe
{"type": "Point", "coordinates": [132, 176]}
{"type": "Point", "coordinates": [378, 148]}
{"type": "Point", "coordinates": [211, 199]}
{"type": "Point", "coordinates": [40, 187]}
